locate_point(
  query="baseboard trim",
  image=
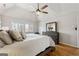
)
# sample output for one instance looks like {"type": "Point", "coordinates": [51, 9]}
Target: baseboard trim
{"type": "Point", "coordinates": [65, 44]}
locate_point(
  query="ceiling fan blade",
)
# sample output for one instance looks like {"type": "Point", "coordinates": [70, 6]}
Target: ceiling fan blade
{"type": "Point", "coordinates": [45, 6]}
{"type": "Point", "coordinates": [44, 12]}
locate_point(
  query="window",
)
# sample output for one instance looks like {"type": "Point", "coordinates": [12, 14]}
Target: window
{"type": "Point", "coordinates": [26, 27]}
{"type": "Point", "coordinates": [14, 26]}
{"type": "Point", "coordinates": [21, 27]}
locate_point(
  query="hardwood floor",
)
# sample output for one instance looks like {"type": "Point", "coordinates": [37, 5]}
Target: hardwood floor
{"type": "Point", "coordinates": [64, 50]}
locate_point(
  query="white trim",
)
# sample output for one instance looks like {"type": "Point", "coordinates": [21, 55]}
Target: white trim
{"type": "Point", "coordinates": [68, 45]}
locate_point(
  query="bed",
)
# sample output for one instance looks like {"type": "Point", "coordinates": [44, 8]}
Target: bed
{"type": "Point", "coordinates": [33, 45]}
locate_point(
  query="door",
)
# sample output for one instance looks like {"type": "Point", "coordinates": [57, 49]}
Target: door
{"type": "Point", "coordinates": [73, 30]}
{"type": "Point", "coordinates": [77, 31]}
{"type": "Point", "coordinates": [68, 33]}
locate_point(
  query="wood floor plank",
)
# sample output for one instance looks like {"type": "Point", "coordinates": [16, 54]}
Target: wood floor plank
{"type": "Point", "coordinates": [64, 50]}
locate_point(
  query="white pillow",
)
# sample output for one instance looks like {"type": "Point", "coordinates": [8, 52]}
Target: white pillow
{"type": "Point", "coordinates": [2, 44]}
{"type": "Point", "coordinates": [15, 35]}
{"type": "Point", "coordinates": [4, 36]}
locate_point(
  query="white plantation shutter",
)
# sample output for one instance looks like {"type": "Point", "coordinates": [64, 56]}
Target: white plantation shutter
{"type": "Point", "coordinates": [27, 28]}
{"type": "Point", "coordinates": [21, 27]}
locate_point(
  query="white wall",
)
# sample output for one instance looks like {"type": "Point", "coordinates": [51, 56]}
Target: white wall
{"type": "Point", "coordinates": [65, 16]}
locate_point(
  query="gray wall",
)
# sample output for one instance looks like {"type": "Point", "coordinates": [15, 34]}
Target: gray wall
{"type": "Point", "coordinates": [65, 16]}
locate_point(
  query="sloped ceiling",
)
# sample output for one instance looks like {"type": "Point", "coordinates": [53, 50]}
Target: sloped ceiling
{"type": "Point", "coordinates": [22, 11]}
{"type": "Point", "coordinates": [26, 10]}
{"type": "Point", "coordinates": [23, 6]}
{"type": "Point", "coordinates": [58, 9]}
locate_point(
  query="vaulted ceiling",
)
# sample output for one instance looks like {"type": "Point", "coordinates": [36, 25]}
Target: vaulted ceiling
{"type": "Point", "coordinates": [25, 10]}
{"type": "Point", "coordinates": [28, 7]}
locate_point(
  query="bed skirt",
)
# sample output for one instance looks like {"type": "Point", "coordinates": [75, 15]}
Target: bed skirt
{"type": "Point", "coordinates": [46, 51]}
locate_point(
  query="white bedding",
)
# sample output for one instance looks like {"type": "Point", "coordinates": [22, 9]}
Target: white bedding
{"type": "Point", "coordinates": [31, 46]}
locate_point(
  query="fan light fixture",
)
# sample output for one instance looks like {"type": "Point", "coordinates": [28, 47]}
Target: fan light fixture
{"type": "Point", "coordinates": [40, 10]}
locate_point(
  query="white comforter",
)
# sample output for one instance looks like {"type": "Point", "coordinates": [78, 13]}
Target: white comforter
{"type": "Point", "coordinates": [31, 46]}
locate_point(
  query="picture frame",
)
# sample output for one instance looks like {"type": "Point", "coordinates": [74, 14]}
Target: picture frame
{"type": "Point", "coordinates": [51, 26]}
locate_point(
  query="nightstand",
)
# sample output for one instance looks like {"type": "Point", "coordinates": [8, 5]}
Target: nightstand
{"type": "Point", "coordinates": [37, 33]}
{"type": "Point", "coordinates": [53, 35]}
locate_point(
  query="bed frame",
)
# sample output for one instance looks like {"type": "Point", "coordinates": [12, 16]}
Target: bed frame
{"type": "Point", "coordinates": [46, 51]}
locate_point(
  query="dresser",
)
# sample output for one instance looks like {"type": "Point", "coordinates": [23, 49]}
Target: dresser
{"type": "Point", "coordinates": [53, 35]}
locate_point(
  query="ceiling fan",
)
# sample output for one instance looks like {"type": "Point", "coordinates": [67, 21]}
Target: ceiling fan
{"type": "Point", "coordinates": [38, 10]}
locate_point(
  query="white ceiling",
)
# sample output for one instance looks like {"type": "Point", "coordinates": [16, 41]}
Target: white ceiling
{"type": "Point", "coordinates": [19, 10]}
{"type": "Point", "coordinates": [25, 10]}
{"type": "Point", "coordinates": [25, 6]}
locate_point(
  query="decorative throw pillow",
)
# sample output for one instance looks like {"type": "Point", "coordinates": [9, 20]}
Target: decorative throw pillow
{"type": "Point", "coordinates": [4, 36]}
{"type": "Point", "coordinates": [15, 35]}
{"type": "Point", "coordinates": [23, 35]}
{"type": "Point", "coordinates": [2, 44]}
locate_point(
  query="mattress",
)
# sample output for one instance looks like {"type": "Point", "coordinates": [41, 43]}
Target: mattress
{"type": "Point", "coordinates": [31, 46]}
